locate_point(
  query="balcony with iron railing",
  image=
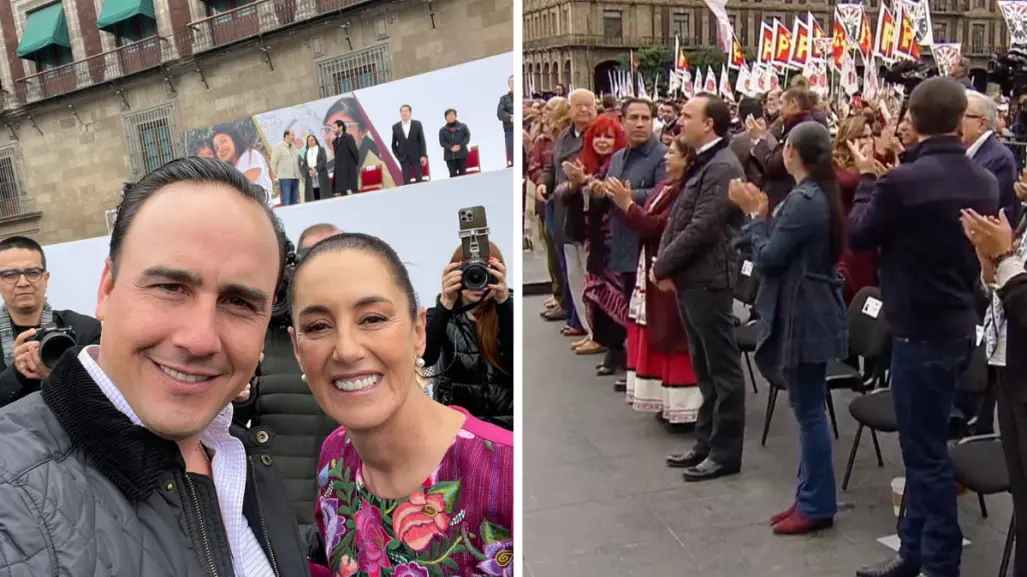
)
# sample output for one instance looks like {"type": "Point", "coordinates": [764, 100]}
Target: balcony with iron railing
{"type": "Point", "coordinates": [601, 41]}
{"type": "Point", "coordinates": [219, 31]}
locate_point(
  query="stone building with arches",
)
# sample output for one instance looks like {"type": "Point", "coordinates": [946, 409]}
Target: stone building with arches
{"type": "Point", "coordinates": [575, 43]}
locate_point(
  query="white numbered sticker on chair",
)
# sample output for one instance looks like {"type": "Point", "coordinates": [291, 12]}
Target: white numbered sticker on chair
{"type": "Point", "coordinates": [872, 307]}
{"type": "Point", "coordinates": [980, 335]}
{"type": "Point", "coordinates": [747, 268]}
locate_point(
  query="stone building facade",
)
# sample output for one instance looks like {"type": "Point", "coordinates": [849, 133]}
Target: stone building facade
{"type": "Point", "coordinates": [573, 42]}
{"type": "Point", "coordinates": [70, 135]}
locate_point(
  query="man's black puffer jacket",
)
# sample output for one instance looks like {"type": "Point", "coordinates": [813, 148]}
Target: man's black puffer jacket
{"type": "Point", "coordinates": [282, 402]}
{"type": "Point", "coordinates": [465, 379]}
{"type": "Point", "coordinates": [84, 492]}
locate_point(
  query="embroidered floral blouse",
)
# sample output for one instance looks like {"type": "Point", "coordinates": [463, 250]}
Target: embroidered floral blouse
{"type": "Point", "coordinates": [458, 523]}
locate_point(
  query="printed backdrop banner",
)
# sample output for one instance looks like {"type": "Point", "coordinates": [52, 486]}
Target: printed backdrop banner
{"type": "Point", "coordinates": [472, 89]}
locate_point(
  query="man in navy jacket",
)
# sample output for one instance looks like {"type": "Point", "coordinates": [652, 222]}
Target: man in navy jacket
{"type": "Point", "coordinates": [928, 275]}
{"type": "Point", "coordinates": [983, 145]}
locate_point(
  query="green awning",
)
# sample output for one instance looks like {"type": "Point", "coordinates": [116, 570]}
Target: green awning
{"type": "Point", "coordinates": [44, 27]}
{"type": "Point", "coordinates": [116, 11]}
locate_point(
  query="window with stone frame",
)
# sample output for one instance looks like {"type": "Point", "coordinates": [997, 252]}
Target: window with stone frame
{"type": "Point", "coordinates": [11, 200]}
{"type": "Point", "coordinates": [153, 138]}
{"type": "Point", "coordinates": [360, 69]}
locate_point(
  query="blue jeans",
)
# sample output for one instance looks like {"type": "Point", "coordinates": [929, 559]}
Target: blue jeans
{"type": "Point", "coordinates": [568, 301]}
{"type": "Point", "coordinates": [509, 146]}
{"type": "Point", "coordinates": [290, 191]}
{"type": "Point", "coordinates": [807, 389]}
{"type": "Point", "coordinates": [925, 378]}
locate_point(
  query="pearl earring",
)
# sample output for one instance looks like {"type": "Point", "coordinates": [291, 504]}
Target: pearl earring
{"type": "Point", "coordinates": [303, 377]}
{"type": "Point", "coordinates": [419, 363]}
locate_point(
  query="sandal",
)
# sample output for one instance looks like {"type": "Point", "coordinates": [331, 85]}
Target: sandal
{"type": "Point", "coordinates": [573, 332]}
{"type": "Point", "coordinates": [577, 344]}
{"type": "Point", "coordinates": [590, 348]}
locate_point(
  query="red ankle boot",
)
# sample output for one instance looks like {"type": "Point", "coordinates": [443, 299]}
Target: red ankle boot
{"type": "Point", "coordinates": [778, 517]}
{"type": "Point", "coordinates": [796, 524]}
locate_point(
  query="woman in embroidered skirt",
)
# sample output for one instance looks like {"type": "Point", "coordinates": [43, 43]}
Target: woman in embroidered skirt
{"type": "Point", "coordinates": [661, 378]}
{"type": "Point", "coordinates": [588, 212]}
{"type": "Point", "coordinates": [407, 486]}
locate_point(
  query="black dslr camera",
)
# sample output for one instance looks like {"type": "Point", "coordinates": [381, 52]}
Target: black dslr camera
{"type": "Point", "coordinates": [53, 341]}
{"type": "Point", "coordinates": [474, 238]}
{"type": "Point", "coordinates": [280, 312]}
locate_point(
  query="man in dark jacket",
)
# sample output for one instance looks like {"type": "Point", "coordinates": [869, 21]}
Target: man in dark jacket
{"type": "Point", "coordinates": [409, 146]}
{"type": "Point", "coordinates": [929, 275]}
{"type": "Point", "coordinates": [982, 145]}
{"type": "Point", "coordinates": [767, 153]}
{"type": "Point", "coordinates": [696, 260]}
{"type": "Point", "coordinates": [23, 282]}
{"type": "Point", "coordinates": [347, 161]}
{"type": "Point", "coordinates": [127, 458]}
{"type": "Point", "coordinates": [505, 112]}
{"type": "Point", "coordinates": [741, 143]}
{"type": "Point", "coordinates": [454, 138]}
{"type": "Point", "coordinates": [282, 402]}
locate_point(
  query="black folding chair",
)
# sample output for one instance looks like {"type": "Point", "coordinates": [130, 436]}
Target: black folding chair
{"type": "Point", "coordinates": [747, 283]}
{"type": "Point", "coordinates": [869, 339]}
{"type": "Point", "coordinates": [863, 342]}
{"type": "Point", "coordinates": [980, 466]}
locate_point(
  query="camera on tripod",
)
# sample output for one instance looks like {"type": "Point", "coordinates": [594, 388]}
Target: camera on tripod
{"type": "Point", "coordinates": [474, 239]}
{"type": "Point", "coordinates": [53, 341]}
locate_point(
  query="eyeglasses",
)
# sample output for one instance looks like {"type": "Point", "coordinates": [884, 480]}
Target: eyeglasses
{"type": "Point", "coordinates": [11, 276]}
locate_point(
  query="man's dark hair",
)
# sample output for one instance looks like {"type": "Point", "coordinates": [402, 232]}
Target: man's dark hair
{"type": "Point", "coordinates": [286, 134]}
{"type": "Point", "coordinates": [672, 105]}
{"type": "Point", "coordinates": [197, 170]}
{"type": "Point", "coordinates": [937, 105]}
{"type": "Point", "coordinates": [609, 102]}
{"type": "Point", "coordinates": [448, 110]}
{"type": "Point", "coordinates": [23, 242]}
{"type": "Point", "coordinates": [316, 229]}
{"type": "Point", "coordinates": [367, 244]}
{"type": "Point", "coordinates": [649, 103]}
{"type": "Point", "coordinates": [804, 98]}
{"type": "Point", "coordinates": [340, 124]}
{"type": "Point", "coordinates": [407, 106]}
{"type": "Point", "coordinates": [750, 107]}
{"type": "Point", "coordinates": [716, 110]}
{"type": "Point", "coordinates": [347, 105]}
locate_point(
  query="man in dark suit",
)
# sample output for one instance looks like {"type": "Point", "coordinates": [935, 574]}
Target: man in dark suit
{"type": "Point", "coordinates": [929, 276]}
{"type": "Point", "coordinates": [982, 145]}
{"type": "Point", "coordinates": [347, 162]}
{"type": "Point", "coordinates": [408, 146]}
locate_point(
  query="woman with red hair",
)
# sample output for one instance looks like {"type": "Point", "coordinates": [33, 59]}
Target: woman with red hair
{"type": "Point", "coordinates": [588, 212]}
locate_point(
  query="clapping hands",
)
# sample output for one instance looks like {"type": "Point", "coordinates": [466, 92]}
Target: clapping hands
{"type": "Point", "coordinates": [747, 197]}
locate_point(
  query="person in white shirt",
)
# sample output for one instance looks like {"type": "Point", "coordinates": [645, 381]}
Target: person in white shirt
{"type": "Point", "coordinates": [132, 438]}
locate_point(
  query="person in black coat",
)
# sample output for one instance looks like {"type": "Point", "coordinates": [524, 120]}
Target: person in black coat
{"type": "Point", "coordinates": [23, 282]}
{"type": "Point", "coordinates": [454, 138]}
{"type": "Point", "coordinates": [409, 146]}
{"type": "Point", "coordinates": [347, 161]}
{"type": "Point", "coordinates": [317, 183]}
{"type": "Point", "coordinates": [470, 344]}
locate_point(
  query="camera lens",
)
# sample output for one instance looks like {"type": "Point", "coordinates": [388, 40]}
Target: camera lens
{"type": "Point", "coordinates": [476, 277]}
{"type": "Point", "coordinates": [53, 346]}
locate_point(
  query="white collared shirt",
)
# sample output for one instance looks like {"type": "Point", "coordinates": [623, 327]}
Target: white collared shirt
{"type": "Point", "coordinates": [229, 471]}
{"type": "Point", "coordinates": [972, 151]}
{"type": "Point", "coordinates": [406, 129]}
{"type": "Point", "coordinates": [708, 146]}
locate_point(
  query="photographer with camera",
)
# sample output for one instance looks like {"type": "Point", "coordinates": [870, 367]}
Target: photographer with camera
{"type": "Point", "coordinates": [33, 336]}
{"type": "Point", "coordinates": [470, 330]}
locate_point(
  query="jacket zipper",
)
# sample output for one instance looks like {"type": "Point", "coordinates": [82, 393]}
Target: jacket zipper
{"type": "Point", "coordinates": [260, 513]}
{"type": "Point", "coordinates": [203, 527]}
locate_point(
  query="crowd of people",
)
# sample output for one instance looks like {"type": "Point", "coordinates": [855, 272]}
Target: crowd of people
{"type": "Point", "coordinates": [654, 213]}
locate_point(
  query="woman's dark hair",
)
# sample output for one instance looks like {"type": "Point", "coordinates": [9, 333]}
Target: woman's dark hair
{"type": "Point", "coordinates": [812, 142]}
{"type": "Point", "coordinates": [241, 145]}
{"type": "Point", "coordinates": [192, 169]}
{"type": "Point", "coordinates": [486, 318]}
{"type": "Point", "coordinates": [367, 244]}
{"type": "Point", "coordinates": [685, 150]}
{"type": "Point", "coordinates": [316, 141]}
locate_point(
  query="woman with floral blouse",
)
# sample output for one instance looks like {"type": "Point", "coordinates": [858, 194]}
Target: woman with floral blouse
{"type": "Point", "coordinates": [407, 487]}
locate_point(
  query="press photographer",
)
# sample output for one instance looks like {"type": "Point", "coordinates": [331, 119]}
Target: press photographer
{"type": "Point", "coordinates": [470, 328]}
{"type": "Point", "coordinates": [33, 335]}
{"type": "Point", "coordinates": [280, 399]}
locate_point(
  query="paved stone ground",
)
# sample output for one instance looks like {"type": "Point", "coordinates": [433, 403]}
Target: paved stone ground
{"type": "Point", "coordinates": [598, 500]}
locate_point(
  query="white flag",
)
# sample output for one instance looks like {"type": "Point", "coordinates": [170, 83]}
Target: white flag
{"type": "Point", "coordinates": [725, 84]}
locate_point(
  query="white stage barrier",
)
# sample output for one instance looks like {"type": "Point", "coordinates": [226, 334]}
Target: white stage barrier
{"type": "Point", "coordinates": [419, 221]}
